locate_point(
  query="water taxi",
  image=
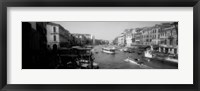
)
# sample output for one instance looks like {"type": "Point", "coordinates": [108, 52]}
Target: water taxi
{"type": "Point", "coordinates": [148, 54]}
{"type": "Point", "coordinates": [134, 61]}
{"type": "Point", "coordinates": [108, 50]}
{"type": "Point", "coordinates": [137, 62]}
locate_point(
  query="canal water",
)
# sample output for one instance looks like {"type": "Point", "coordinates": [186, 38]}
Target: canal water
{"type": "Point", "coordinates": [116, 61]}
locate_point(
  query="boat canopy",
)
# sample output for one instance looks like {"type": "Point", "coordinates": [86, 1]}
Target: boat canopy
{"type": "Point", "coordinates": [80, 48]}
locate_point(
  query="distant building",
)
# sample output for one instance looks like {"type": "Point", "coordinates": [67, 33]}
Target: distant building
{"type": "Point", "coordinates": [129, 37]}
{"type": "Point", "coordinates": [121, 40]}
{"type": "Point", "coordinates": [146, 40]}
{"type": "Point", "coordinates": [89, 37]}
{"type": "Point", "coordinates": [115, 41]}
{"type": "Point", "coordinates": [138, 36]}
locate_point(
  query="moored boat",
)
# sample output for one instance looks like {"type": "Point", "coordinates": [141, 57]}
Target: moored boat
{"type": "Point", "coordinates": [161, 57]}
{"type": "Point", "coordinates": [171, 59]}
{"type": "Point", "coordinates": [86, 64]}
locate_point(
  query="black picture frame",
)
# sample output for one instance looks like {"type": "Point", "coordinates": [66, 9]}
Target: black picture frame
{"type": "Point", "coordinates": [98, 3]}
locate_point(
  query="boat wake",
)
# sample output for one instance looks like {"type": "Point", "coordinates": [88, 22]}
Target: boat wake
{"type": "Point", "coordinates": [137, 62]}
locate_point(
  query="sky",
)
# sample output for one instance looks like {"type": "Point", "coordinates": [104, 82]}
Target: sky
{"type": "Point", "coordinates": [104, 30]}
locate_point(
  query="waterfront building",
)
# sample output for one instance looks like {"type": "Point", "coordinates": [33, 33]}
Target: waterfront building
{"type": "Point", "coordinates": [57, 36]}
{"type": "Point", "coordinates": [129, 37]}
{"type": "Point", "coordinates": [164, 35]}
{"type": "Point", "coordinates": [121, 40]}
{"type": "Point", "coordinates": [146, 39]}
{"type": "Point", "coordinates": [154, 35]}
{"type": "Point", "coordinates": [168, 35]}
{"type": "Point", "coordinates": [88, 36]}
{"type": "Point", "coordinates": [138, 36]}
{"type": "Point", "coordinates": [168, 38]}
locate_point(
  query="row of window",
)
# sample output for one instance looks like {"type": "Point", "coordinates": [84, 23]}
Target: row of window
{"type": "Point", "coordinates": [149, 36]}
{"type": "Point", "coordinates": [154, 31]}
{"type": "Point", "coordinates": [165, 42]}
{"type": "Point", "coordinates": [154, 36]}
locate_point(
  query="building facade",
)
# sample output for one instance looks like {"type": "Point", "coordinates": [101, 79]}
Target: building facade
{"type": "Point", "coordinates": [57, 36]}
{"type": "Point", "coordinates": [168, 36]}
{"type": "Point", "coordinates": [146, 37]}
{"type": "Point", "coordinates": [129, 37]}
{"type": "Point", "coordinates": [87, 39]}
{"type": "Point", "coordinates": [34, 45]}
{"type": "Point", "coordinates": [164, 35]}
{"type": "Point", "coordinates": [138, 36]}
{"type": "Point", "coordinates": [121, 40]}
{"type": "Point", "coordinates": [153, 35]}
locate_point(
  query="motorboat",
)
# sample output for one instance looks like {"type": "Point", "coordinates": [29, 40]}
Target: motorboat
{"type": "Point", "coordinates": [131, 60]}
{"type": "Point", "coordinates": [137, 62]}
{"type": "Point", "coordinates": [148, 54]}
{"type": "Point", "coordinates": [108, 50]}
{"type": "Point", "coordinates": [160, 56]}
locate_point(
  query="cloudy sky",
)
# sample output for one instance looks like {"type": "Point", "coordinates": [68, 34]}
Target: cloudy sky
{"type": "Point", "coordinates": [104, 30]}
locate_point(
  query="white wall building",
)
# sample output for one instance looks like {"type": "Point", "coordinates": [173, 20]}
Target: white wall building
{"type": "Point", "coordinates": [121, 40]}
{"type": "Point", "coordinates": [129, 39]}
{"type": "Point", "coordinates": [129, 36]}
{"type": "Point", "coordinates": [52, 35]}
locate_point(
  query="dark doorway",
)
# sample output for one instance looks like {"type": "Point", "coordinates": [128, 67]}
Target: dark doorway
{"type": "Point", "coordinates": [55, 47]}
